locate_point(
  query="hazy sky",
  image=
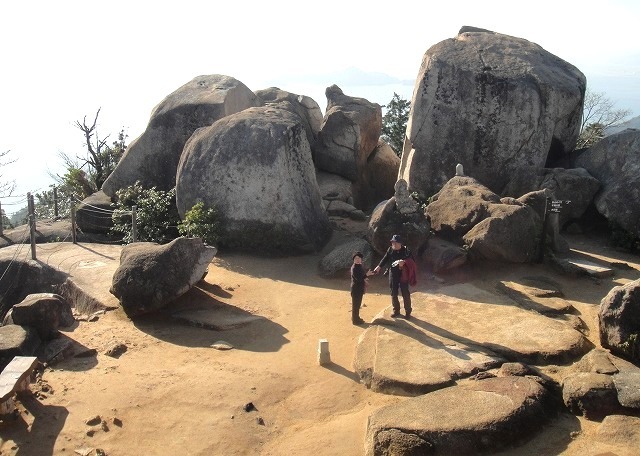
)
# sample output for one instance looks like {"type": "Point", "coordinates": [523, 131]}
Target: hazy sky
{"type": "Point", "coordinates": [63, 60]}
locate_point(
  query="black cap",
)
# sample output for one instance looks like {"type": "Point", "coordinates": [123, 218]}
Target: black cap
{"type": "Point", "coordinates": [396, 238]}
{"type": "Point", "coordinates": [357, 254]}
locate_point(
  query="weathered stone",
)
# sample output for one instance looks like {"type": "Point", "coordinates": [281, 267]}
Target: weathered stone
{"type": "Point", "coordinates": [45, 312]}
{"type": "Point", "coordinates": [441, 255]}
{"type": "Point", "coordinates": [150, 276]}
{"type": "Point", "coordinates": [333, 187]}
{"type": "Point", "coordinates": [255, 167]}
{"type": "Point", "coordinates": [574, 185]}
{"type": "Point", "coordinates": [302, 105]}
{"type": "Point", "coordinates": [529, 298]}
{"type": "Point", "coordinates": [478, 417]}
{"type": "Point", "coordinates": [627, 385]}
{"type": "Point", "coordinates": [591, 395]}
{"type": "Point", "coordinates": [17, 340]}
{"type": "Point", "coordinates": [349, 134]}
{"type": "Point", "coordinates": [340, 208]}
{"type": "Point", "coordinates": [514, 370]}
{"type": "Point", "coordinates": [153, 157]}
{"type": "Point", "coordinates": [380, 175]}
{"type": "Point", "coordinates": [615, 162]}
{"type": "Point", "coordinates": [596, 361]}
{"type": "Point", "coordinates": [339, 260]}
{"type": "Point", "coordinates": [94, 213]}
{"type": "Point", "coordinates": [386, 221]}
{"type": "Point", "coordinates": [619, 320]}
{"type": "Point", "coordinates": [493, 103]}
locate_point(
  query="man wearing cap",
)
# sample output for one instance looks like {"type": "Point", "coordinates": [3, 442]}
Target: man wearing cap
{"type": "Point", "coordinates": [395, 256]}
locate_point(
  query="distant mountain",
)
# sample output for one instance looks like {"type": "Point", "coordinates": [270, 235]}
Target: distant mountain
{"type": "Point", "coordinates": [631, 123]}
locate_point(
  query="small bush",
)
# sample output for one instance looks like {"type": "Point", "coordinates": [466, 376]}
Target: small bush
{"type": "Point", "coordinates": [156, 214]}
{"type": "Point", "coordinates": [202, 223]}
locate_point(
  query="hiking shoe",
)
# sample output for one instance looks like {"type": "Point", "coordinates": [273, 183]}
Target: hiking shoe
{"type": "Point", "coordinates": [395, 314]}
{"type": "Point", "coordinates": [359, 321]}
{"type": "Point", "coordinates": [408, 316]}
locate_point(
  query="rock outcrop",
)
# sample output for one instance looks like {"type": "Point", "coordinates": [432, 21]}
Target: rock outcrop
{"type": "Point", "coordinates": [619, 320]}
{"type": "Point", "coordinates": [150, 276]}
{"type": "Point", "coordinates": [255, 167]}
{"type": "Point", "coordinates": [94, 213]}
{"type": "Point", "coordinates": [615, 162]}
{"type": "Point", "coordinates": [340, 259]}
{"type": "Point", "coordinates": [16, 340]}
{"type": "Point", "coordinates": [493, 103]}
{"type": "Point", "coordinates": [475, 418]}
{"type": "Point", "coordinates": [45, 312]}
{"type": "Point", "coordinates": [153, 157]}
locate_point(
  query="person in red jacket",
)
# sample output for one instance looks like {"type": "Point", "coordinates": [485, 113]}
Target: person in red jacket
{"type": "Point", "coordinates": [396, 256]}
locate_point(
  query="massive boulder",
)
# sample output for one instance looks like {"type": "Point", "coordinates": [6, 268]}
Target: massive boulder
{"type": "Point", "coordinates": [615, 162]}
{"type": "Point", "coordinates": [255, 167]}
{"type": "Point", "coordinates": [302, 105]}
{"type": "Point", "coordinates": [150, 276]}
{"type": "Point", "coordinates": [379, 176]}
{"type": "Point", "coordinates": [349, 134]}
{"type": "Point", "coordinates": [493, 103]}
{"type": "Point", "coordinates": [575, 185]}
{"type": "Point", "coordinates": [619, 320]}
{"type": "Point", "coordinates": [94, 213]}
{"type": "Point", "coordinates": [153, 157]}
{"type": "Point", "coordinates": [466, 212]}
{"type": "Point", "coordinates": [337, 263]}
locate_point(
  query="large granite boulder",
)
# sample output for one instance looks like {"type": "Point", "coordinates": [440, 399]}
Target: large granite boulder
{"type": "Point", "coordinates": [339, 260]}
{"type": "Point", "coordinates": [615, 162]}
{"type": "Point", "coordinates": [619, 320]}
{"type": "Point", "coordinates": [440, 255]}
{"type": "Point", "coordinates": [575, 185]}
{"type": "Point", "coordinates": [493, 103]}
{"type": "Point", "coordinates": [302, 105]}
{"type": "Point", "coordinates": [466, 212]}
{"type": "Point", "coordinates": [153, 157]}
{"type": "Point", "coordinates": [94, 213]}
{"type": "Point", "coordinates": [45, 312]}
{"type": "Point", "coordinates": [402, 215]}
{"type": "Point", "coordinates": [16, 340]}
{"type": "Point", "coordinates": [379, 177]}
{"type": "Point", "coordinates": [475, 418]}
{"type": "Point", "coordinates": [255, 167]}
{"type": "Point", "coordinates": [150, 276]}
{"type": "Point", "coordinates": [349, 134]}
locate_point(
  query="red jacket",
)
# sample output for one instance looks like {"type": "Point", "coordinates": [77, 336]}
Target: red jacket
{"type": "Point", "coordinates": [409, 272]}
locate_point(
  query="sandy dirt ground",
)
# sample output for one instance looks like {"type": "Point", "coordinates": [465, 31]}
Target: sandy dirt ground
{"type": "Point", "coordinates": [171, 393]}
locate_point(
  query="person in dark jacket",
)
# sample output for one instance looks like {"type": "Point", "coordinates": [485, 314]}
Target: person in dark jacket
{"type": "Point", "coordinates": [358, 286]}
{"type": "Point", "coordinates": [394, 257]}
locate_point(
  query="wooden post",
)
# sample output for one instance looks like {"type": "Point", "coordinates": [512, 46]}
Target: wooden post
{"type": "Point", "coordinates": [1, 221]}
{"type": "Point", "coordinates": [134, 228]}
{"type": "Point", "coordinates": [32, 224]}
{"type": "Point", "coordinates": [74, 238]}
{"type": "Point", "coordinates": [55, 202]}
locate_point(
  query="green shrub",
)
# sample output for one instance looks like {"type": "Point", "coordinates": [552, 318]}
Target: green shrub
{"type": "Point", "coordinates": [156, 214]}
{"type": "Point", "coordinates": [202, 223]}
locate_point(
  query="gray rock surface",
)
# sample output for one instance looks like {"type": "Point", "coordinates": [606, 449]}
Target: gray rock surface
{"type": "Point", "coordinates": [619, 320]}
{"type": "Point", "coordinates": [17, 340]}
{"type": "Point", "coordinates": [333, 187]}
{"type": "Point", "coordinates": [45, 312]}
{"type": "Point", "coordinates": [349, 134]}
{"type": "Point", "coordinates": [153, 157]}
{"type": "Point", "coordinates": [493, 103]}
{"type": "Point", "coordinates": [615, 162]}
{"type": "Point", "coordinates": [441, 255]}
{"type": "Point", "coordinates": [622, 431]}
{"type": "Point", "coordinates": [339, 260]}
{"type": "Point", "coordinates": [534, 298]}
{"type": "Point", "coordinates": [255, 167]}
{"type": "Point", "coordinates": [150, 276]}
{"type": "Point", "coordinates": [380, 174]}
{"type": "Point", "coordinates": [94, 213]}
{"type": "Point", "coordinates": [478, 417]}
{"type": "Point", "coordinates": [450, 338]}
{"type": "Point", "coordinates": [590, 394]}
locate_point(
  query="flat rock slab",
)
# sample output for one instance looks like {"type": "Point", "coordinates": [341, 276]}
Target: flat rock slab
{"type": "Point", "coordinates": [621, 431]}
{"type": "Point", "coordinates": [408, 361]}
{"type": "Point", "coordinates": [450, 338]}
{"type": "Point", "coordinates": [533, 298]}
{"type": "Point", "coordinates": [481, 416]}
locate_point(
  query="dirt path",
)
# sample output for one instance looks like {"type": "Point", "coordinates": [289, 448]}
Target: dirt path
{"type": "Point", "coordinates": [171, 393]}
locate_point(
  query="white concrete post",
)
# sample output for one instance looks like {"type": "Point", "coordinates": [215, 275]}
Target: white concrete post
{"type": "Point", "coordinates": [324, 357]}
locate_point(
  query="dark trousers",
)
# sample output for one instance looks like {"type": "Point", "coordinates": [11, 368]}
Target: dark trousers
{"type": "Point", "coordinates": [356, 301]}
{"type": "Point", "coordinates": [406, 296]}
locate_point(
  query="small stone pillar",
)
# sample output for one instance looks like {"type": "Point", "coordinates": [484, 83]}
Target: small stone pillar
{"type": "Point", "coordinates": [324, 357]}
{"type": "Point", "coordinates": [459, 170]}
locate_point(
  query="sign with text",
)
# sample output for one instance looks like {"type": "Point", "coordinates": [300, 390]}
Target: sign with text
{"type": "Point", "coordinates": [557, 205]}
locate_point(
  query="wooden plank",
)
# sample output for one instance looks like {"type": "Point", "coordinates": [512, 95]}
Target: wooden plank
{"type": "Point", "coordinates": [14, 375]}
{"type": "Point", "coordinates": [592, 269]}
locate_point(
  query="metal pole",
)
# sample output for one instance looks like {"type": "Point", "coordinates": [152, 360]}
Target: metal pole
{"type": "Point", "coordinates": [74, 239]}
{"type": "Point", "coordinates": [55, 202]}
{"type": "Point", "coordinates": [134, 228]}
{"type": "Point", "coordinates": [544, 230]}
{"type": "Point", "coordinates": [32, 225]}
